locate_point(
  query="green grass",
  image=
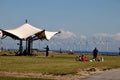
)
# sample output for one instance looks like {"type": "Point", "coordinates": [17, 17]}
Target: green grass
{"type": "Point", "coordinates": [59, 64]}
{"type": "Point", "coordinates": [56, 64]}
{"type": "Point", "coordinates": [52, 65]}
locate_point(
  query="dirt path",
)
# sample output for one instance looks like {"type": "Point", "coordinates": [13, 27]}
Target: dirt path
{"type": "Point", "coordinates": [39, 75]}
{"type": "Point", "coordinates": [78, 76]}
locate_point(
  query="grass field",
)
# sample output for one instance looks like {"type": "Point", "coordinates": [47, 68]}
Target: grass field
{"type": "Point", "coordinates": [56, 64]}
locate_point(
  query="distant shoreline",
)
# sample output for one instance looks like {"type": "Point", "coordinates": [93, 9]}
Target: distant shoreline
{"type": "Point", "coordinates": [76, 51]}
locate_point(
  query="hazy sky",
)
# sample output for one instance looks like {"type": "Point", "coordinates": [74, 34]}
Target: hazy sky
{"type": "Point", "coordinates": [78, 16]}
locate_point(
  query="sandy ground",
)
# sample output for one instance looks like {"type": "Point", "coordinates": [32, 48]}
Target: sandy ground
{"type": "Point", "coordinates": [80, 75]}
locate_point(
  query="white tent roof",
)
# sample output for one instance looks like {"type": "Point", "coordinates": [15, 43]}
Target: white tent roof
{"type": "Point", "coordinates": [27, 30]}
{"type": "Point", "coordinates": [49, 34]}
{"type": "Point", "coordinates": [24, 31]}
{"type": "Point", "coordinates": [1, 34]}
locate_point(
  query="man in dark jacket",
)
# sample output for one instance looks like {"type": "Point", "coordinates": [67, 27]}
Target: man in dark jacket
{"type": "Point", "coordinates": [47, 50]}
{"type": "Point", "coordinates": [95, 53]}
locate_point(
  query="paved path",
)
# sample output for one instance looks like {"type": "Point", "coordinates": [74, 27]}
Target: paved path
{"type": "Point", "coordinates": [107, 75]}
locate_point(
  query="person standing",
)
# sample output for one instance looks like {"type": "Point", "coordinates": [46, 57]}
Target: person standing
{"type": "Point", "coordinates": [95, 53]}
{"type": "Point", "coordinates": [47, 51]}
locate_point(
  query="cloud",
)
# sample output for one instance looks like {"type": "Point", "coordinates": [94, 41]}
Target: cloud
{"type": "Point", "coordinates": [108, 36]}
{"type": "Point", "coordinates": [103, 35]}
{"type": "Point", "coordinates": [117, 36]}
{"type": "Point", "coordinates": [66, 35]}
{"type": "Point", "coordinates": [83, 37]}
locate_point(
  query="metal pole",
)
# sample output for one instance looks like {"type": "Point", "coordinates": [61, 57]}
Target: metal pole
{"type": "Point", "coordinates": [20, 47]}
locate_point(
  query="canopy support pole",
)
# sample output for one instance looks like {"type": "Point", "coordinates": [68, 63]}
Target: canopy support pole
{"type": "Point", "coordinates": [20, 47]}
{"type": "Point", "coordinates": [29, 44]}
{"type": "Point", "coordinates": [29, 47]}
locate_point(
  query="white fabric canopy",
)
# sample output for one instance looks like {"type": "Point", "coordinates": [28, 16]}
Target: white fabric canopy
{"type": "Point", "coordinates": [26, 30]}
{"type": "Point", "coordinates": [1, 34]}
{"type": "Point", "coordinates": [29, 33]}
{"type": "Point", "coordinates": [49, 35]}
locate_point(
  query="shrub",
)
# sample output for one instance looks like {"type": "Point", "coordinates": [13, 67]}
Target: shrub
{"type": "Point", "coordinates": [70, 53]}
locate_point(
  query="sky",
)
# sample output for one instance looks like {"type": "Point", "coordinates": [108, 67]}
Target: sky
{"type": "Point", "coordinates": [90, 20]}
